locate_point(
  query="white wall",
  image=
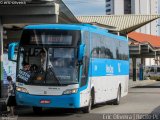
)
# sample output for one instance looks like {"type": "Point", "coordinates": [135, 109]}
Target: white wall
{"type": "Point", "coordinates": [158, 19]}
{"type": "Point", "coordinates": [149, 61]}
{"type": "Point", "coordinates": [118, 7]}
{"type": "Point", "coordinates": [146, 7]}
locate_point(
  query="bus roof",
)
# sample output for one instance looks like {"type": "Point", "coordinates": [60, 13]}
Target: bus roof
{"type": "Point", "coordinates": [85, 27]}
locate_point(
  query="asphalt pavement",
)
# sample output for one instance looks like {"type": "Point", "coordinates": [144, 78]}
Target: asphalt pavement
{"type": "Point", "coordinates": [142, 102]}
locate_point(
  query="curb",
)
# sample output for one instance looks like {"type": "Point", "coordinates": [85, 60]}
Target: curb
{"type": "Point", "coordinates": [141, 83]}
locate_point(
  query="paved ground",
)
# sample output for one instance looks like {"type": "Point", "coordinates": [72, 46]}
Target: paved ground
{"type": "Point", "coordinates": [142, 99]}
{"type": "Point", "coordinates": [132, 83]}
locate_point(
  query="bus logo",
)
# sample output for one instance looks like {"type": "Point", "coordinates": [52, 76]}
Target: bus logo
{"type": "Point", "coordinates": [109, 69]}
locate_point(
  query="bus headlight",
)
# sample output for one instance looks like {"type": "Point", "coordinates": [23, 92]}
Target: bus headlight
{"type": "Point", "coordinates": [70, 91]}
{"type": "Point", "coordinates": [21, 89]}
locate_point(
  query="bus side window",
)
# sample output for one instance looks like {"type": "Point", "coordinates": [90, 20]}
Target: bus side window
{"type": "Point", "coordinates": [95, 53]}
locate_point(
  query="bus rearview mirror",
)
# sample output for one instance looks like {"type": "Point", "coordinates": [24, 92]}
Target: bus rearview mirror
{"type": "Point", "coordinates": [81, 52]}
{"type": "Point", "coordinates": [11, 52]}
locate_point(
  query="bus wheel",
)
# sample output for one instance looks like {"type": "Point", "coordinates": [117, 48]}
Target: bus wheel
{"type": "Point", "coordinates": [117, 100]}
{"type": "Point", "coordinates": [37, 110]}
{"type": "Point", "coordinates": [88, 108]}
{"type": "Point", "coordinates": [91, 103]}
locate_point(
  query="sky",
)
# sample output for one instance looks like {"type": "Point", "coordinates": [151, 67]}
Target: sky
{"type": "Point", "coordinates": [86, 7]}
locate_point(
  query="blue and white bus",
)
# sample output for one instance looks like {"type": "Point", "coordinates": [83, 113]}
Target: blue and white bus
{"type": "Point", "coordinates": [70, 66]}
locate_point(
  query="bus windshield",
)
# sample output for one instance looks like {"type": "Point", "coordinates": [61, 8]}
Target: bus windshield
{"type": "Point", "coordinates": [47, 66]}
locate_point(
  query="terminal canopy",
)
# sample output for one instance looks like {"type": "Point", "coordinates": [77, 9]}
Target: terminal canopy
{"type": "Point", "coordinates": [36, 12]}
{"type": "Point", "coordinates": [122, 24]}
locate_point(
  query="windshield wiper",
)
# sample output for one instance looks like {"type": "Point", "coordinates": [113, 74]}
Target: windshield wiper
{"type": "Point", "coordinates": [54, 75]}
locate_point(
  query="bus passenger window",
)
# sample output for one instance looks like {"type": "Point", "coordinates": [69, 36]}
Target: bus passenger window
{"type": "Point", "coordinates": [158, 69]}
{"type": "Point", "coordinates": [94, 54]}
{"type": "Point", "coordinates": [152, 69]}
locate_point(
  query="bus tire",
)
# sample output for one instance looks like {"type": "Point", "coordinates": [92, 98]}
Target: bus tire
{"type": "Point", "coordinates": [37, 110]}
{"type": "Point", "coordinates": [92, 97]}
{"type": "Point", "coordinates": [117, 100]}
{"type": "Point", "coordinates": [91, 103]}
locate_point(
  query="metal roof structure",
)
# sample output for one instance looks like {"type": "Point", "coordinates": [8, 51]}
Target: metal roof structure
{"type": "Point", "coordinates": [36, 12]}
{"type": "Point", "coordinates": [122, 24]}
{"type": "Point", "coordinates": [143, 50]}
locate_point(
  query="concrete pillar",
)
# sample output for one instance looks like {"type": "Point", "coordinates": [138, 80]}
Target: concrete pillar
{"type": "Point", "coordinates": [134, 69]}
{"type": "Point", "coordinates": [141, 69]}
{"type": "Point", "coordinates": [1, 57]}
{"type": "Point", "coordinates": [157, 60]}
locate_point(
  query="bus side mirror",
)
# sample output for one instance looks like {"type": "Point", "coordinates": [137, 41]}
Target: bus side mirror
{"type": "Point", "coordinates": [11, 52]}
{"type": "Point", "coordinates": [81, 52]}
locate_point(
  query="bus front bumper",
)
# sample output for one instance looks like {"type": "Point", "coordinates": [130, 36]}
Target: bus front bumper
{"type": "Point", "coordinates": [62, 101]}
